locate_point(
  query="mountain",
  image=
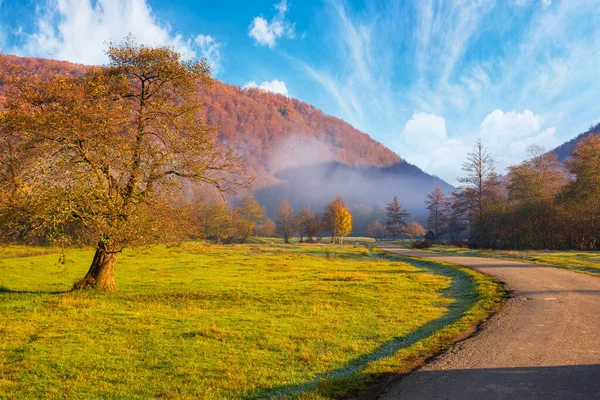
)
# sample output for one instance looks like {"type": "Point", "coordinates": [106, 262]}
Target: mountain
{"type": "Point", "coordinates": [315, 185]}
{"type": "Point", "coordinates": [295, 150]}
{"type": "Point", "coordinates": [564, 150]}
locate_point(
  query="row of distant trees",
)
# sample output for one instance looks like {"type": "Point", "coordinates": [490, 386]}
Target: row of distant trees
{"type": "Point", "coordinates": [540, 204]}
{"type": "Point", "coordinates": [226, 224]}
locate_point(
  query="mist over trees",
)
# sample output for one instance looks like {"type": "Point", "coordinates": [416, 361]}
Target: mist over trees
{"type": "Point", "coordinates": [540, 204]}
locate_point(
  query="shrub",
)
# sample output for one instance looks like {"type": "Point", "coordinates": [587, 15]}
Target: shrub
{"type": "Point", "coordinates": [459, 243]}
{"type": "Point", "coordinates": [423, 244]}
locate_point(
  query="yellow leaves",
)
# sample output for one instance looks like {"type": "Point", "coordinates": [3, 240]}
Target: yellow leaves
{"type": "Point", "coordinates": [338, 218]}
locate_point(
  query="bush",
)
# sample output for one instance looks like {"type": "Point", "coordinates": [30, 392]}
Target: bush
{"type": "Point", "coordinates": [423, 244]}
{"type": "Point", "coordinates": [459, 243]}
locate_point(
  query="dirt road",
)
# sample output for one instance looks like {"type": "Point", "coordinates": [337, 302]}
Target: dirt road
{"type": "Point", "coordinates": [544, 343]}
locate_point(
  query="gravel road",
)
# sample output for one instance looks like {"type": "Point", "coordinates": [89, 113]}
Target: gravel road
{"type": "Point", "coordinates": [543, 344]}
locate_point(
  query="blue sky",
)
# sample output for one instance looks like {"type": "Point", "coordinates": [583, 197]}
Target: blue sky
{"type": "Point", "coordinates": [426, 78]}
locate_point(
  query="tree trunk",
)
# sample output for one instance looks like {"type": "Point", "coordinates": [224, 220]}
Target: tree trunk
{"type": "Point", "coordinates": [101, 274]}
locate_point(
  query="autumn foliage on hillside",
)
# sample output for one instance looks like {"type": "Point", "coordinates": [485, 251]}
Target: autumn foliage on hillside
{"type": "Point", "coordinates": [265, 127]}
{"type": "Point", "coordinates": [258, 123]}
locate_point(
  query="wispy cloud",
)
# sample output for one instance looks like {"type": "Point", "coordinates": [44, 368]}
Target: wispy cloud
{"type": "Point", "coordinates": [210, 50]}
{"type": "Point", "coordinates": [79, 30]}
{"type": "Point", "coordinates": [465, 62]}
{"type": "Point", "coordinates": [266, 33]}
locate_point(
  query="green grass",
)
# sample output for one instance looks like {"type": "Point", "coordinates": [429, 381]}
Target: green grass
{"type": "Point", "coordinates": [245, 321]}
{"type": "Point", "coordinates": [587, 262]}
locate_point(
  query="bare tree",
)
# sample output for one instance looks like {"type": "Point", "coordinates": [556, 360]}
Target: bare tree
{"type": "Point", "coordinates": [437, 205]}
{"type": "Point", "coordinates": [286, 222]}
{"type": "Point", "coordinates": [480, 174]}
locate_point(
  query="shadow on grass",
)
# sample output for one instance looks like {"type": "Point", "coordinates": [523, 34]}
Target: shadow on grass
{"type": "Point", "coordinates": [460, 290]}
{"type": "Point", "coordinates": [4, 289]}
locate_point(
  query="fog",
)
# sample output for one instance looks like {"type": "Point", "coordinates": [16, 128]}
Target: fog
{"type": "Point", "coordinates": [311, 175]}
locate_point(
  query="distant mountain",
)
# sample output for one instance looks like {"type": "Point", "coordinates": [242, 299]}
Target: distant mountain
{"type": "Point", "coordinates": [295, 150]}
{"type": "Point", "coordinates": [564, 150]}
{"type": "Point", "coordinates": [315, 185]}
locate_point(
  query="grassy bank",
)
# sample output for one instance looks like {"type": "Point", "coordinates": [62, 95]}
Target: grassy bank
{"type": "Point", "coordinates": [587, 262]}
{"type": "Point", "coordinates": [246, 321]}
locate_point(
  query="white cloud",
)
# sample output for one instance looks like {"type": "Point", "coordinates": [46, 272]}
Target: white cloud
{"type": "Point", "coordinates": [209, 49]}
{"type": "Point", "coordinates": [425, 143]}
{"type": "Point", "coordinates": [508, 134]}
{"type": "Point", "coordinates": [266, 33]}
{"type": "Point", "coordinates": [274, 86]}
{"type": "Point", "coordinates": [423, 130]}
{"type": "Point", "coordinates": [79, 30]}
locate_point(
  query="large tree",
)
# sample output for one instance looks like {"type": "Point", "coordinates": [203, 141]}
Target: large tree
{"type": "Point", "coordinates": [538, 178]}
{"type": "Point", "coordinates": [582, 194]}
{"type": "Point", "coordinates": [106, 152]}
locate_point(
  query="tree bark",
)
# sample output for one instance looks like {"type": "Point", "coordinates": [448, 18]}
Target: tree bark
{"type": "Point", "coordinates": [101, 275]}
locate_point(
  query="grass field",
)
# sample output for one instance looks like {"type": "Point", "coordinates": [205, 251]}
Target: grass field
{"type": "Point", "coordinates": [580, 261]}
{"type": "Point", "coordinates": [262, 320]}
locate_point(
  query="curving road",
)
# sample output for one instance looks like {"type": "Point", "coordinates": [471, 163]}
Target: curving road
{"type": "Point", "coordinates": [543, 344]}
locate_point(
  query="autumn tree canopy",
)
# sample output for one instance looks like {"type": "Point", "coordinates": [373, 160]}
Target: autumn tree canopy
{"type": "Point", "coordinates": [107, 151]}
{"type": "Point", "coordinates": [338, 220]}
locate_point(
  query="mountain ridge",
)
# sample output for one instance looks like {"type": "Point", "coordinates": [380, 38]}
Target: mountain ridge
{"type": "Point", "coordinates": [279, 136]}
{"type": "Point", "coordinates": [563, 151]}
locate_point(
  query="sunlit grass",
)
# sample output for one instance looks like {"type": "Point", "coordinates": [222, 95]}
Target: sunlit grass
{"type": "Point", "coordinates": [212, 322]}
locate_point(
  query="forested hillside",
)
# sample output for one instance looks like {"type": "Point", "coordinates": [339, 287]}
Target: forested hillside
{"type": "Point", "coordinates": [563, 151]}
{"type": "Point", "coordinates": [279, 137]}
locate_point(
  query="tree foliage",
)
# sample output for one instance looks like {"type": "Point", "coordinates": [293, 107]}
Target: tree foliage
{"type": "Point", "coordinates": [108, 151]}
{"type": "Point", "coordinates": [338, 220]}
{"type": "Point", "coordinates": [396, 218]}
{"type": "Point", "coordinates": [539, 207]}
{"type": "Point", "coordinates": [414, 229]}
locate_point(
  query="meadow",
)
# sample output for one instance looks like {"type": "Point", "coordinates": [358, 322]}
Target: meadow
{"type": "Point", "coordinates": [261, 320]}
{"type": "Point", "coordinates": [587, 262]}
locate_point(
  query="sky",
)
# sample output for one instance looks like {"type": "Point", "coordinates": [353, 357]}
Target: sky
{"type": "Point", "coordinates": [427, 78]}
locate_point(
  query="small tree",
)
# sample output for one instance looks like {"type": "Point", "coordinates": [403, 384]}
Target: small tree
{"type": "Point", "coordinates": [375, 229]}
{"type": "Point", "coordinates": [338, 220]}
{"type": "Point", "coordinates": [437, 205]}
{"type": "Point", "coordinates": [396, 218]}
{"type": "Point", "coordinates": [414, 229]}
{"type": "Point", "coordinates": [267, 229]}
{"type": "Point", "coordinates": [303, 219]}
{"type": "Point", "coordinates": [218, 221]}
{"type": "Point", "coordinates": [251, 211]}
{"type": "Point", "coordinates": [315, 228]}
{"type": "Point", "coordinates": [106, 150]}
{"type": "Point", "coordinates": [286, 222]}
